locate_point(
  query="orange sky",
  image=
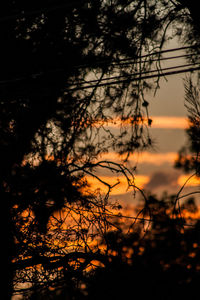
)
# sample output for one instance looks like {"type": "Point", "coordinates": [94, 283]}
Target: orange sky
{"type": "Point", "coordinates": [140, 181]}
{"type": "Point", "coordinates": [144, 157]}
{"type": "Point", "coordinates": [156, 159]}
{"type": "Point", "coordinates": [121, 188]}
{"type": "Point", "coordinates": [170, 122]}
{"type": "Point", "coordinates": [194, 181]}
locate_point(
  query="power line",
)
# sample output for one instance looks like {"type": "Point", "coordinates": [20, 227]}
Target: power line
{"type": "Point", "coordinates": [155, 60]}
{"type": "Point", "coordinates": [128, 80]}
{"type": "Point", "coordinates": [121, 62]}
{"type": "Point", "coordinates": [138, 57]}
{"type": "Point", "coordinates": [138, 73]}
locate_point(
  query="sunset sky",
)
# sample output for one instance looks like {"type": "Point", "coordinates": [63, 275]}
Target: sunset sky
{"type": "Point", "coordinates": [155, 171]}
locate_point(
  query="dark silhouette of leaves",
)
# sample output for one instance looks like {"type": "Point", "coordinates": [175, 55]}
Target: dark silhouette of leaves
{"type": "Point", "coordinates": [67, 67]}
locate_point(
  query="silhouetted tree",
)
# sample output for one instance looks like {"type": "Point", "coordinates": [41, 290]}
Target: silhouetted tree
{"type": "Point", "coordinates": [158, 259]}
{"type": "Point", "coordinates": [164, 264]}
{"type": "Point", "coordinates": [189, 156]}
{"type": "Point", "coordinates": [192, 20]}
{"type": "Point", "coordinates": [65, 66]}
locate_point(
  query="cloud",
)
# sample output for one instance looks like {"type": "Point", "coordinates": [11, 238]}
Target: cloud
{"type": "Point", "coordinates": [159, 180]}
{"type": "Point", "coordinates": [165, 122]}
{"type": "Point", "coordinates": [120, 188]}
{"type": "Point", "coordinates": [170, 180]}
{"type": "Point", "coordinates": [191, 181]}
{"type": "Point", "coordinates": [143, 157]}
{"type": "Point", "coordinates": [169, 122]}
{"type": "Point", "coordinates": [162, 179]}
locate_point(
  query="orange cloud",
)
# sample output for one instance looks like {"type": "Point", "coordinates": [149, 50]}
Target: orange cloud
{"type": "Point", "coordinates": [167, 122]}
{"type": "Point", "coordinates": [191, 215]}
{"type": "Point", "coordinates": [143, 157]}
{"type": "Point", "coordinates": [140, 181]}
{"type": "Point", "coordinates": [121, 187]}
{"type": "Point", "coordinates": [193, 181]}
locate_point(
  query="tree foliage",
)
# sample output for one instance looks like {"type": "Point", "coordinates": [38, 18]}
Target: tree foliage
{"type": "Point", "coordinates": [158, 258]}
{"type": "Point", "coordinates": [189, 156]}
{"type": "Point", "coordinates": [67, 67]}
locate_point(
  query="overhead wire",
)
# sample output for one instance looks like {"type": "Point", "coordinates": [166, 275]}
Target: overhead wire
{"type": "Point", "coordinates": [155, 60]}
{"type": "Point", "coordinates": [135, 74]}
{"type": "Point", "coordinates": [128, 80]}
{"type": "Point", "coordinates": [119, 63]}
{"type": "Point", "coordinates": [96, 63]}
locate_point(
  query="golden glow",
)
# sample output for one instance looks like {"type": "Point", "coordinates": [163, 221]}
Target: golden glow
{"type": "Point", "coordinates": [121, 187]}
{"type": "Point", "coordinates": [167, 122]}
{"type": "Point", "coordinates": [193, 181]}
{"type": "Point", "coordinates": [143, 157]}
{"type": "Point", "coordinates": [192, 215]}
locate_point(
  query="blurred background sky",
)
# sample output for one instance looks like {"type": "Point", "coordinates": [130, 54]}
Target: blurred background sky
{"type": "Point", "coordinates": [155, 170]}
